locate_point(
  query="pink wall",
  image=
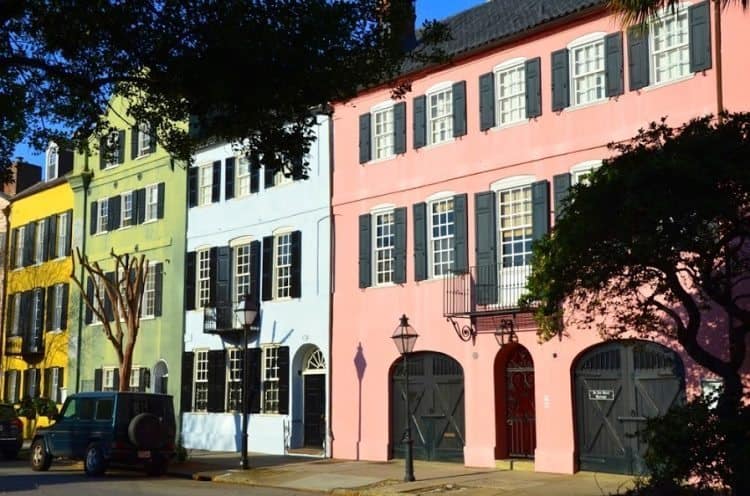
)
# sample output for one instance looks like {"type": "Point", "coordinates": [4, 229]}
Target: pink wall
{"type": "Point", "coordinates": [548, 145]}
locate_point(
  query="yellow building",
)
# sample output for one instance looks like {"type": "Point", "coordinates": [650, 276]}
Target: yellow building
{"type": "Point", "coordinates": [38, 265]}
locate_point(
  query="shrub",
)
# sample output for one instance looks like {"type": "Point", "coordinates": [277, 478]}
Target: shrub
{"type": "Point", "coordinates": [27, 408]}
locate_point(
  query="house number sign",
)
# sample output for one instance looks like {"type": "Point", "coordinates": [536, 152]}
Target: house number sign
{"type": "Point", "coordinates": [602, 394]}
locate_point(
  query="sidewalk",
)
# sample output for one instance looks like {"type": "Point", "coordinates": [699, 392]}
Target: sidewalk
{"type": "Point", "coordinates": [350, 478]}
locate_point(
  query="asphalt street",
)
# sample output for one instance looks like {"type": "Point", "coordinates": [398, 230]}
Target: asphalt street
{"type": "Point", "coordinates": [17, 479]}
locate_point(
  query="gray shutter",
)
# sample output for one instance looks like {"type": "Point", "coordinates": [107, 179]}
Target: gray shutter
{"type": "Point", "coordinates": [28, 244]}
{"type": "Point", "coordinates": [151, 139]}
{"type": "Point", "coordinates": [221, 276]}
{"type": "Point", "coordinates": [116, 379]}
{"type": "Point", "coordinates": [561, 185]}
{"type": "Point", "coordinates": [539, 209]}
{"type": "Point", "coordinates": [186, 384]}
{"type": "Point", "coordinates": [134, 142]}
{"type": "Point", "coordinates": [190, 297]}
{"type": "Point", "coordinates": [108, 311]}
{"type": "Point", "coordinates": [69, 231]}
{"type": "Point", "coordinates": [420, 241]}
{"type": "Point", "coordinates": [485, 248]}
{"type": "Point", "coordinates": [267, 278]}
{"type": "Point", "coordinates": [560, 80]}
{"type": "Point", "coordinates": [533, 74]}
{"type": "Point", "coordinates": [399, 128]}
{"type": "Point", "coordinates": [613, 64]}
{"type": "Point", "coordinates": [192, 187]}
{"type": "Point", "coordinates": [459, 108]}
{"type": "Point", "coordinates": [399, 245]}
{"type": "Point", "coordinates": [254, 271]}
{"type": "Point", "coordinates": [700, 36]}
{"type": "Point", "coordinates": [120, 146]}
{"type": "Point", "coordinates": [64, 314]}
{"type": "Point", "coordinates": [295, 290]}
{"type": "Point", "coordinates": [48, 248]}
{"type": "Point", "coordinates": [461, 234]}
{"type": "Point", "coordinates": [90, 298]}
{"type": "Point", "coordinates": [283, 363]}
{"type": "Point", "coordinates": [143, 375]}
{"type": "Point", "coordinates": [94, 217]}
{"type": "Point", "coordinates": [158, 285]}
{"type": "Point", "coordinates": [213, 271]}
{"type": "Point", "coordinates": [420, 121]}
{"type": "Point", "coordinates": [13, 246]}
{"type": "Point", "coordinates": [139, 205]}
{"type": "Point", "coordinates": [365, 250]}
{"type": "Point", "coordinates": [161, 198]}
{"type": "Point", "coordinates": [638, 57]}
{"type": "Point", "coordinates": [486, 101]}
{"type": "Point", "coordinates": [113, 214]}
{"type": "Point", "coordinates": [97, 379]}
{"type": "Point", "coordinates": [216, 182]}
{"type": "Point", "coordinates": [50, 310]}
{"type": "Point", "coordinates": [365, 143]}
{"type": "Point", "coordinates": [229, 178]}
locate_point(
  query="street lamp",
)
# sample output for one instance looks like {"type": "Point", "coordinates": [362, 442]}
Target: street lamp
{"type": "Point", "coordinates": [246, 314]}
{"type": "Point", "coordinates": [404, 337]}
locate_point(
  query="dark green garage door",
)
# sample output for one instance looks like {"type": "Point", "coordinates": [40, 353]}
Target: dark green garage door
{"type": "Point", "coordinates": [618, 386]}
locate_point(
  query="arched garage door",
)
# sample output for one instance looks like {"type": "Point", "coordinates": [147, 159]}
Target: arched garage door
{"type": "Point", "coordinates": [436, 387]}
{"type": "Point", "coordinates": [618, 386]}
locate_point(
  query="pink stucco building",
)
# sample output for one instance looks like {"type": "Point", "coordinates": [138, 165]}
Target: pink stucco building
{"type": "Point", "coordinates": [437, 198]}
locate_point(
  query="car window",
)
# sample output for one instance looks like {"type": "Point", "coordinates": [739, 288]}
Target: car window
{"type": "Point", "coordinates": [86, 408]}
{"type": "Point", "coordinates": [104, 409]}
{"type": "Point", "coordinates": [70, 409]}
{"type": "Point", "coordinates": [7, 412]}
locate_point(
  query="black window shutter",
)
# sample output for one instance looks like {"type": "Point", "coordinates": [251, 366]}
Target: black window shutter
{"type": "Point", "coordinates": [108, 311]}
{"type": "Point", "coordinates": [486, 101]}
{"type": "Point", "coordinates": [192, 187]}
{"type": "Point", "coordinates": [420, 121]}
{"type": "Point", "coordinates": [161, 191]}
{"type": "Point", "coordinates": [561, 185]}
{"type": "Point", "coordinates": [267, 278]}
{"type": "Point", "coordinates": [64, 162]}
{"type": "Point", "coordinates": [120, 146]}
{"type": "Point", "coordinates": [459, 108]}
{"type": "Point", "coordinates": [13, 246]}
{"type": "Point", "coordinates": [399, 245]}
{"type": "Point", "coordinates": [213, 275]}
{"type": "Point", "coordinates": [151, 139]}
{"type": "Point", "coordinates": [254, 178]}
{"type": "Point", "coordinates": [254, 271]}
{"type": "Point", "coordinates": [229, 178]}
{"type": "Point", "coordinates": [365, 250]}
{"type": "Point", "coordinates": [46, 239]}
{"type": "Point", "coordinates": [39, 321]}
{"type": "Point", "coordinates": [113, 215]}
{"type": "Point", "coordinates": [638, 57]}
{"type": "Point", "coordinates": [139, 205]}
{"type": "Point", "coordinates": [420, 241]}
{"type": "Point", "coordinates": [613, 65]}
{"type": "Point", "coordinates": [216, 182]}
{"type": "Point", "coordinates": [103, 152]}
{"type": "Point", "coordinates": [268, 174]}
{"type": "Point", "coordinates": [116, 380]}
{"type": "Point", "coordinates": [50, 308]}
{"type": "Point", "coordinates": [97, 379]}
{"type": "Point", "coordinates": [143, 373]}
{"type": "Point", "coordinates": [560, 80]}
{"type": "Point", "coordinates": [283, 363]}
{"type": "Point", "coordinates": [539, 209]}
{"type": "Point", "coordinates": [26, 325]}
{"type": "Point", "coordinates": [65, 288]}
{"type": "Point", "coordinates": [134, 142]}
{"type": "Point", "coordinates": [90, 298]}
{"type": "Point", "coordinates": [533, 70]}
{"type": "Point", "coordinates": [486, 247]}
{"type": "Point", "coordinates": [365, 143]}
{"type": "Point", "coordinates": [399, 128]}
{"type": "Point", "coordinates": [28, 244]}
{"type": "Point", "coordinates": [158, 285]}
{"type": "Point", "coordinates": [50, 236]}
{"type": "Point", "coordinates": [217, 369]}
{"type": "Point", "coordinates": [221, 276]}
{"type": "Point", "coordinates": [253, 375]}
{"type": "Point", "coordinates": [190, 281]}
{"type": "Point", "coordinates": [700, 36]}
{"type": "Point", "coordinates": [69, 231]}
{"type": "Point", "coordinates": [186, 382]}
{"type": "Point", "coordinates": [461, 234]}
{"type": "Point", "coordinates": [295, 291]}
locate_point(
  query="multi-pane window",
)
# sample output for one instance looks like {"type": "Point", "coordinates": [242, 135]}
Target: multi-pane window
{"type": "Point", "coordinates": [37, 315]}
{"type": "Point", "coordinates": [241, 271]}
{"type": "Point", "coordinates": [52, 159]}
{"type": "Point", "coordinates": [442, 231]}
{"type": "Point", "coordinates": [440, 113]}
{"type": "Point", "coordinates": [204, 277]}
{"type": "Point", "coordinates": [668, 36]}
{"type": "Point", "coordinates": [144, 138]}
{"type": "Point", "coordinates": [152, 202]}
{"type": "Point", "coordinates": [20, 239]}
{"type": "Point", "coordinates": [103, 216]}
{"type": "Point", "coordinates": [280, 178]}
{"type": "Point", "coordinates": [15, 327]}
{"type": "Point", "coordinates": [135, 378]}
{"type": "Point", "coordinates": [201, 381]}
{"type": "Point", "coordinates": [126, 207]}
{"type": "Point", "coordinates": [13, 386]}
{"type": "Point", "coordinates": [283, 265]}
{"type": "Point", "coordinates": [382, 133]}
{"type": "Point", "coordinates": [113, 149]}
{"type": "Point", "coordinates": [384, 244]}
{"type": "Point", "coordinates": [515, 226]}
{"type": "Point", "coordinates": [587, 72]}
{"type": "Point", "coordinates": [581, 174]}
{"type": "Point", "coordinates": [511, 94]}
{"type": "Point", "coordinates": [271, 379]}
{"type": "Point", "coordinates": [242, 181]}
{"type": "Point", "coordinates": [53, 381]}
{"type": "Point", "coordinates": [58, 303]}
{"type": "Point", "coordinates": [205, 184]}
{"type": "Point", "coordinates": [108, 379]}
{"type": "Point", "coordinates": [62, 235]}
{"type": "Point", "coordinates": [39, 242]}
{"type": "Point", "coordinates": [234, 379]}
{"type": "Point", "coordinates": [149, 293]}
{"type": "Point", "coordinates": [98, 288]}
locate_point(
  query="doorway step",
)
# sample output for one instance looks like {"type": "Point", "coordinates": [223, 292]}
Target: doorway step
{"type": "Point", "coordinates": [522, 464]}
{"type": "Point", "coordinates": [312, 452]}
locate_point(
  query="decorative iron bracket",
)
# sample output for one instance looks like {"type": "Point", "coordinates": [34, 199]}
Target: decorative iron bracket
{"type": "Point", "coordinates": [505, 332]}
{"type": "Point", "coordinates": [465, 332]}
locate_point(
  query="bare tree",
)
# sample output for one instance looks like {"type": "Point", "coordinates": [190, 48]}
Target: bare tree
{"type": "Point", "coordinates": [116, 302]}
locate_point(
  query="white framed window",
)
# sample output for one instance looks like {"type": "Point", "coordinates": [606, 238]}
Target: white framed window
{"type": "Point", "coordinates": [61, 243]}
{"type": "Point", "coordinates": [144, 139]}
{"type": "Point", "coordinates": [98, 287]}
{"type": "Point", "coordinates": [283, 265]}
{"type": "Point", "coordinates": [510, 80]}
{"type": "Point", "coordinates": [20, 240]}
{"type": "Point", "coordinates": [242, 177]}
{"type": "Point", "coordinates": [581, 173]}
{"type": "Point", "coordinates": [205, 184]}
{"type": "Point", "coordinates": [441, 228]}
{"type": "Point", "coordinates": [135, 378]}
{"type": "Point", "coordinates": [51, 162]}
{"type": "Point", "coordinates": [270, 379]}
{"type": "Point", "coordinates": [200, 396]}
{"type": "Point", "coordinates": [668, 45]}
{"type": "Point", "coordinates": [39, 242]}
{"type": "Point", "coordinates": [384, 244]}
{"type": "Point", "coordinates": [113, 149]}
{"type": "Point", "coordinates": [440, 115]}
{"type": "Point", "coordinates": [126, 209]}
{"type": "Point", "coordinates": [149, 292]}
{"type": "Point", "coordinates": [587, 69]}
{"type": "Point", "coordinates": [38, 310]}
{"type": "Point", "coordinates": [382, 133]}
{"type": "Point", "coordinates": [234, 379]}
{"type": "Point", "coordinates": [152, 202]}
{"type": "Point", "coordinates": [241, 271]}
{"type": "Point", "coordinates": [58, 303]}
{"type": "Point", "coordinates": [203, 277]}
{"type": "Point", "coordinates": [108, 379]}
{"type": "Point", "coordinates": [279, 178]}
{"type": "Point", "coordinates": [103, 216]}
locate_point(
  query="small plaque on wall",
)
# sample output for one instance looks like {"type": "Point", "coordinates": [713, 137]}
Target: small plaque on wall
{"type": "Point", "coordinates": [602, 394]}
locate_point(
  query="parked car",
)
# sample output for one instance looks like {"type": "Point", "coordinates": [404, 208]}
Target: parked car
{"type": "Point", "coordinates": [11, 431]}
{"type": "Point", "coordinates": [103, 428]}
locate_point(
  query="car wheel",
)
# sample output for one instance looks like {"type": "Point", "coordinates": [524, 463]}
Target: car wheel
{"type": "Point", "coordinates": [40, 459]}
{"type": "Point", "coordinates": [146, 432]}
{"type": "Point", "coordinates": [94, 463]}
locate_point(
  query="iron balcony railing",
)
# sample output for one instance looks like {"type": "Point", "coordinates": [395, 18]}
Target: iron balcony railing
{"type": "Point", "coordinates": [224, 318]}
{"type": "Point", "coordinates": [484, 289]}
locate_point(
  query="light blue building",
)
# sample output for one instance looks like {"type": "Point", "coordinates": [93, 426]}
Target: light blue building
{"type": "Point", "coordinates": [266, 235]}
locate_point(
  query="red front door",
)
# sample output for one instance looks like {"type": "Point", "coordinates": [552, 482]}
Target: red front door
{"type": "Point", "coordinates": [521, 430]}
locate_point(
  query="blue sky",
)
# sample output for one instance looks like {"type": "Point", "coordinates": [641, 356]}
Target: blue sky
{"type": "Point", "coordinates": [426, 9]}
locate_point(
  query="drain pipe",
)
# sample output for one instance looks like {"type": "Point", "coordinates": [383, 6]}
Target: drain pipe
{"type": "Point", "coordinates": [719, 75]}
{"type": "Point", "coordinates": [85, 182]}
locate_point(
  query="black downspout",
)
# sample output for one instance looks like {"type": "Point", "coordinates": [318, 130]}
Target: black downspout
{"type": "Point", "coordinates": [85, 180]}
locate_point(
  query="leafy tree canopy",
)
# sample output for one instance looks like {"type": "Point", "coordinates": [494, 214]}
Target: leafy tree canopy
{"type": "Point", "coordinates": [235, 69]}
{"type": "Point", "coordinates": [659, 242]}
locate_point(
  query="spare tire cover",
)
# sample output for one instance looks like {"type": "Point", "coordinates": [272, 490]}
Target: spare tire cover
{"type": "Point", "coordinates": [146, 432]}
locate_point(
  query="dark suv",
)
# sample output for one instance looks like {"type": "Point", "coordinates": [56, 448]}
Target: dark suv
{"type": "Point", "coordinates": [11, 431]}
{"type": "Point", "coordinates": [109, 427]}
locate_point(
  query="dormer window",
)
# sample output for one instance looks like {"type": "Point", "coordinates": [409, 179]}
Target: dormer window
{"type": "Point", "coordinates": [51, 162]}
{"type": "Point", "coordinates": [144, 139]}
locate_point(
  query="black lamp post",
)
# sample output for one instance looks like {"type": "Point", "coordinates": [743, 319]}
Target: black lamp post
{"type": "Point", "coordinates": [405, 336]}
{"type": "Point", "coordinates": [246, 314]}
